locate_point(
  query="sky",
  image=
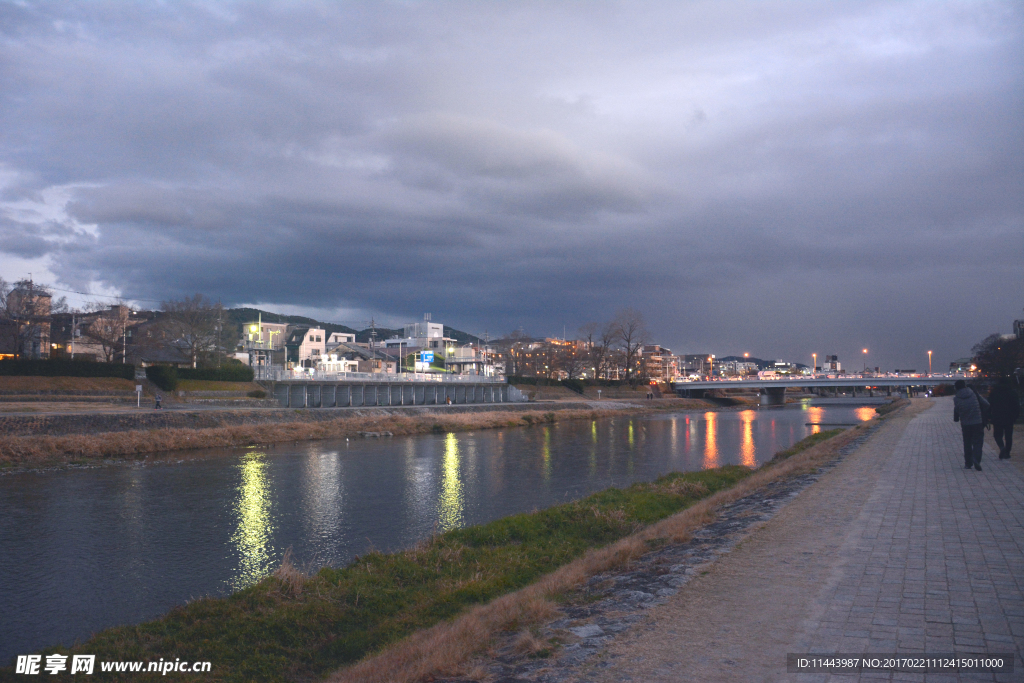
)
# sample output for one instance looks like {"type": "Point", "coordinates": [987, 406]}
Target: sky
{"type": "Point", "coordinates": [776, 178]}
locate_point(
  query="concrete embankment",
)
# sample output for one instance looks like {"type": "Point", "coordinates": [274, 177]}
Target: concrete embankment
{"type": "Point", "coordinates": [87, 437]}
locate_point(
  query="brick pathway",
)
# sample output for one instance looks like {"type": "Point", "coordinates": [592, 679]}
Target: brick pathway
{"type": "Point", "coordinates": [934, 562]}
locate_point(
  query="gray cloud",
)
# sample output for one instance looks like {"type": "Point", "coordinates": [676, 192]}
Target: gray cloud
{"type": "Point", "coordinates": [777, 178]}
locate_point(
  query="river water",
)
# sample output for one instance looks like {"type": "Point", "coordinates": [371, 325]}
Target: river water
{"type": "Point", "coordinates": [82, 550]}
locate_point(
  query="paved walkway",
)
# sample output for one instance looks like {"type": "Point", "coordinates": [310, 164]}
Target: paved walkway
{"type": "Point", "coordinates": [897, 550]}
{"type": "Point", "coordinates": [935, 560]}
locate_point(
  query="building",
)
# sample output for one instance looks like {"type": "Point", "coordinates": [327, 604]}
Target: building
{"type": "Point", "coordinates": [25, 324]}
{"type": "Point", "coordinates": [739, 368]}
{"type": "Point", "coordinates": [472, 360]}
{"type": "Point", "coordinates": [305, 347]}
{"type": "Point", "coordinates": [697, 364]}
{"type": "Point", "coordinates": [659, 364]}
{"type": "Point", "coordinates": [423, 335]}
{"type": "Point", "coordinates": [830, 365]}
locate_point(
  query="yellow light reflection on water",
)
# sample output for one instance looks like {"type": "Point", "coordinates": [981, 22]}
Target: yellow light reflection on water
{"type": "Point", "coordinates": [710, 440]}
{"type": "Point", "coordinates": [864, 413]}
{"type": "Point", "coordinates": [545, 451]}
{"type": "Point", "coordinates": [592, 459]}
{"type": "Point", "coordinates": [252, 507]}
{"type": "Point", "coordinates": [815, 415]}
{"type": "Point", "coordinates": [630, 435]}
{"type": "Point", "coordinates": [747, 458]}
{"type": "Point", "coordinates": [452, 500]}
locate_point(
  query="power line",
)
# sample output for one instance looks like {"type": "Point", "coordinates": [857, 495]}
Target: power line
{"type": "Point", "coordinates": [104, 296]}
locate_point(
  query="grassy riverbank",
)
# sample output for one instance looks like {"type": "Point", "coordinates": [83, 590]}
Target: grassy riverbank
{"type": "Point", "coordinates": [450, 593]}
{"type": "Point", "coordinates": [292, 627]}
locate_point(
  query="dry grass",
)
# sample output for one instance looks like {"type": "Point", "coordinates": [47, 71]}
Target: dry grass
{"type": "Point", "coordinates": [444, 648]}
{"type": "Point", "coordinates": [30, 385]}
{"type": "Point", "coordinates": [24, 451]}
{"type": "Point", "coordinates": [292, 579]}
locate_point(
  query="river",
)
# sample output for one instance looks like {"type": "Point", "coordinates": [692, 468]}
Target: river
{"type": "Point", "coordinates": [85, 549]}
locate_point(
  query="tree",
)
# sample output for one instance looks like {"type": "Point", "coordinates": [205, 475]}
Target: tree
{"type": "Point", "coordinates": [194, 323]}
{"type": "Point", "coordinates": [573, 360]}
{"type": "Point", "coordinates": [998, 356]}
{"type": "Point", "coordinates": [513, 349]}
{"type": "Point", "coordinates": [631, 333]}
{"type": "Point", "coordinates": [108, 328]}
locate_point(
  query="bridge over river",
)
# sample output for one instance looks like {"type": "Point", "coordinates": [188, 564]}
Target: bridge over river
{"type": "Point", "coordinates": [774, 389]}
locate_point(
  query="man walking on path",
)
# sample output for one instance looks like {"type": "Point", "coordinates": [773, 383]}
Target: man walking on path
{"type": "Point", "coordinates": [967, 410]}
{"type": "Point", "coordinates": [1005, 410]}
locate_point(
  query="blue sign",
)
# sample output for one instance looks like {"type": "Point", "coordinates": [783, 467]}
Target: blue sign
{"type": "Point", "coordinates": [427, 356]}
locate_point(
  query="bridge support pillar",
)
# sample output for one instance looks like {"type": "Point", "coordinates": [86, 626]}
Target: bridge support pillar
{"type": "Point", "coordinates": [773, 396]}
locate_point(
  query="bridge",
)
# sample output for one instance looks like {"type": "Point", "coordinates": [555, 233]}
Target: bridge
{"type": "Point", "coordinates": [775, 388]}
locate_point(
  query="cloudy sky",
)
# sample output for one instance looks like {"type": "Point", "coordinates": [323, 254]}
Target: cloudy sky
{"type": "Point", "coordinates": [778, 178]}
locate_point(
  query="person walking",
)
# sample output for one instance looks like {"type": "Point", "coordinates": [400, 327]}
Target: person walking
{"type": "Point", "coordinates": [1005, 410]}
{"type": "Point", "coordinates": [967, 410]}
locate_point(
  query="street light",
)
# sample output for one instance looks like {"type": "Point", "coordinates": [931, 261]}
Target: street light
{"type": "Point", "coordinates": [814, 363]}
{"type": "Point", "coordinates": [929, 363]}
{"type": "Point", "coordinates": [865, 351]}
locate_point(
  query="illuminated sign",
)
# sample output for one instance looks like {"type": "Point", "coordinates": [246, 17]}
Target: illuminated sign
{"type": "Point", "coordinates": [427, 356]}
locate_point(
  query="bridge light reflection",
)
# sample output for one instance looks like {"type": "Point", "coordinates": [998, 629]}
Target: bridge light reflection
{"type": "Point", "coordinates": [747, 451]}
{"type": "Point", "coordinates": [450, 504]}
{"type": "Point", "coordinates": [710, 440]}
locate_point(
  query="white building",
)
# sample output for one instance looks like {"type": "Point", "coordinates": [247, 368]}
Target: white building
{"type": "Point", "coordinates": [306, 346]}
{"type": "Point", "coordinates": [423, 335]}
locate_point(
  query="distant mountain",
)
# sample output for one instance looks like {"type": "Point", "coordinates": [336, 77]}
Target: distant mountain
{"type": "Point", "coordinates": [240, 316]}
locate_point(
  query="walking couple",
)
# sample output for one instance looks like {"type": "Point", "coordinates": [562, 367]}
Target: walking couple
{"type": "Point", "coordinates": [974, 414]}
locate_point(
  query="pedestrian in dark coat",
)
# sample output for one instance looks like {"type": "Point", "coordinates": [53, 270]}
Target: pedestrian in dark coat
{"type": "Point", "coordinates": [1005, 411]}
{"type": "Point", "coordinates": [967, 410]}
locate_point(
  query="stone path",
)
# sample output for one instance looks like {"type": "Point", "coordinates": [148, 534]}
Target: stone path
{"type": "Point", "coordinates": [896, 549]}
{"type": "Point", "coordinates": [934, 562]}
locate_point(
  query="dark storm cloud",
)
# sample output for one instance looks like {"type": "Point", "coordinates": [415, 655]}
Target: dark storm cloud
{"type": "Point", "coordinates": [778, 178]}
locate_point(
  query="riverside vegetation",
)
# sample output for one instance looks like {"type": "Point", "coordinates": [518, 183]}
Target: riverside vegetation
{"type": "Point", "coordinates": [49, 450]}
{"type": "Point", "coordinates": [450, 593]}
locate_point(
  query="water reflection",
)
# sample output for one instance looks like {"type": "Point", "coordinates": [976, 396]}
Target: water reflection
{"type": "Point", "coordinates": [710, 440]}
{"type": "Point", "coordinates": [451, 502]}
{"type": "Point", "coordinates": [747, 458]}
{"type": "Point", "coordinates": [545, 451]}
{"type": "Point", "coordinates": [814, 415]}
{"type": "Point", "coordinates": [864, 413]}
{"type": "Point", "coordinates": [252, 509]}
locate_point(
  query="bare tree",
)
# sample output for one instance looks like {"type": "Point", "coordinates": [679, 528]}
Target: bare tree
{"type": "Point", "coordinates": [573, 359]}
{"type": "Point", "coordinates": [631, 333]}
{"type": "Point", "coordinates": [513, 349]}
{"type": "Point", "coordinates": [194, 323]}
{"type": "Point", "coordinates": [107, 328]}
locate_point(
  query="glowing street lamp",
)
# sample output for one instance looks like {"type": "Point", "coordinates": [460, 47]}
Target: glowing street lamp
{"type": "Point", "coordinates": [865, 352]}
{"type": "Point", "coordinates": [814, 363]}
{"type": "Point", "coordinates": [929, 363]}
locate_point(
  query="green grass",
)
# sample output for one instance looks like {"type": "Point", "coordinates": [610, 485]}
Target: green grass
{"type": "Point", "coordinates": [268, 633]}
{"type": "Point", "coordinates": [805, 443]}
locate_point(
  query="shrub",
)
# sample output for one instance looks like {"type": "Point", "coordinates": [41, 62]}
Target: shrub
{"type": "Point", "coordinates": [164, 376]}
{"type": "Point", "coordinates": [65, 368]}
{"type": "Point", "coordinates": [257, 393]}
